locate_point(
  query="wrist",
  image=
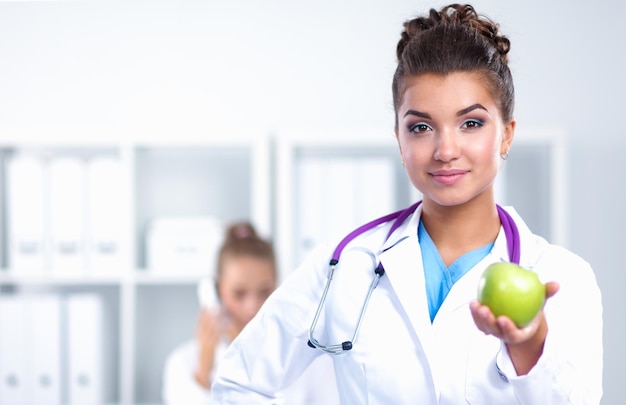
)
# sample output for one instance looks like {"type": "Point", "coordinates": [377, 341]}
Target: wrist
{"type": "Point", "coordinates": [525, 355]}
{"type": "Point", "coordinates": [203, 378]}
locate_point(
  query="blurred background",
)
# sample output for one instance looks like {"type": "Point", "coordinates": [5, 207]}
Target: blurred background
{"type": "Point", "coordinates": [132, 131]}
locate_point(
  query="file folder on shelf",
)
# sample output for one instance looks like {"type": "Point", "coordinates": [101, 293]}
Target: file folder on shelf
{"type": "Point", "coordinates": [335, 195]}
{"type": "Point", "coordinates": [106, 214]}
{"type": "Point", "coordinates": [13, 367]}
{"type": "Point", "coordinates": [30, 349]}
{"type": "Point", "coordinates": [67, 211]}
{"type": "Point", "coordinates": [25, 213]}
{"type": "Point", "coordinates": [43, 377]}
{"type": "Point", "coordinates": [84, 318]}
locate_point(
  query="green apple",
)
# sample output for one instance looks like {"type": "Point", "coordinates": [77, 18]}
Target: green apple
{"type": "Point", "coordinates": [511, 290]}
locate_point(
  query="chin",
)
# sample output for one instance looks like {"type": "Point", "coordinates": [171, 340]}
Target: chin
{"type": "Point", "coordinates": [451, 200]}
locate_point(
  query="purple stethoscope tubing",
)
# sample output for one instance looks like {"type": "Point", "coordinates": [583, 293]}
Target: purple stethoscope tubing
{"type": "Point", "coordinates": [510, 231]}
{"type": "Point", "coordinates": [513, 245]}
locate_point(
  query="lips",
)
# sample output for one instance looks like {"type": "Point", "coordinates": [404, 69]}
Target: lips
{"type": "Point", "coordinates": [449, 176]}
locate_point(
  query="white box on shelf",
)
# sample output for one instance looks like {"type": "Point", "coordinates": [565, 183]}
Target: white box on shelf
{"type": "Point", "coordinates": [67, 214]}
{"type": "Point", "coordinates": [183, 245]}
{"type": "Point", "coordinates": [26, 213]}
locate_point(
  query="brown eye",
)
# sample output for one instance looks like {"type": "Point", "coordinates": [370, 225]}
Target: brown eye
{"type": "Point", "coordinates": [419, 127]}
{"type": "Point", "coordinates": [472, 124]}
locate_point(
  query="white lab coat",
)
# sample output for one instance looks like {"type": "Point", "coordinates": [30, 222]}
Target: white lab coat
{"type": "Point", "coordinates": [181, 388]}
{"type": "Point", "coordinates": [399, 356]}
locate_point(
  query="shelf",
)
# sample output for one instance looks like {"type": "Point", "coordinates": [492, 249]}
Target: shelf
{"type": "Point", "coordinates": [147, 311]}
{"type": "Point", "coordinates": [9, 277]}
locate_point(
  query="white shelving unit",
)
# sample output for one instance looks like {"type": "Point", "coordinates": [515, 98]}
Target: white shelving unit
{"type": "Point", "coordinates": [146, 313]}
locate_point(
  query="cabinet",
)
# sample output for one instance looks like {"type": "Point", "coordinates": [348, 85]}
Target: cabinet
{"type": "Point", "coordinates": [145, 312]}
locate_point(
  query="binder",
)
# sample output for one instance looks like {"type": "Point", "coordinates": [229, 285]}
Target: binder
{"type": "Point", "coordinates": [84, 331]}
{"type": "Point", "coordinates": [309, 207]}
{"type": "Point", "coordinates": [13, 366]}
{"type": "Point", "coordinates": [43, 342]}
{"type": "Point", "coordinates": [340, 203]}
{"type": "Point", "coordinates": [375, 189]}
{"type": "Point", "coordinates": [106, 214]}
{"type": "Point", "coordinates": [67, 211]}
{"type": "Point", "coordinates": [25, 213]}
{"type": "Point", "coordinates": [336, 195]}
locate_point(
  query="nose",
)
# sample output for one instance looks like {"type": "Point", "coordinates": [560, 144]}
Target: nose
{"type": "Point", "coordinates": [447, 147]}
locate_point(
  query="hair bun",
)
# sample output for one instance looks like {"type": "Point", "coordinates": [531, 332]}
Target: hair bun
{"type": "Point", "coordinates": [242, 230]}
{"type": "Point", "coordinates": [455, 14]}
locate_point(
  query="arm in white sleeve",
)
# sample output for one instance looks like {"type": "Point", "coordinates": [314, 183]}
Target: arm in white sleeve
{"type": "Point", "coordinates": [179, 385]}
{"type": "Point", "coordinates": [570, 369]}
{"type": "Point", "coordinates": [272, 352]}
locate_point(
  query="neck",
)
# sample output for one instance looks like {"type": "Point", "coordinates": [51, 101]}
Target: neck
{"type": "Point", "coordinates": [456, 230]}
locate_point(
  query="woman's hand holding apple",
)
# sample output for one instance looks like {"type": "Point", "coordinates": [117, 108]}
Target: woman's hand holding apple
{"type": "Point", "coordinates": [525, 344]}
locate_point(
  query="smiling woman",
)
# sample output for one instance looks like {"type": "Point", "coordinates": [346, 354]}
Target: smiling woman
{"type": "Point", "coordinates": [421, 336]}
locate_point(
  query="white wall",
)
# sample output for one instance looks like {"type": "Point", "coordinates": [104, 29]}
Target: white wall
{"type": "Point", "coordinates": [193, 66]}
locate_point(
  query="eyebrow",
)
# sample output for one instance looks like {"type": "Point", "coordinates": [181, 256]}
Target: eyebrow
{"type": "Point", "coordinates": [417, 114]}
{"type": "Point", "coordinates": [470, 108]}
{"type": "Point", "coordinates": [458, 114]}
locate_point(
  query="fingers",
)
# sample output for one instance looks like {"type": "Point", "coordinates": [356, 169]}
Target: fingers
{"type": "Point", "coordinates": [552, 287]}
{"type": "Point", "coordinates": [484, 319]}
{"type": "Point", "coordinates": [207, 329]}
{"type": "Point", "coordinates": [503, 327]}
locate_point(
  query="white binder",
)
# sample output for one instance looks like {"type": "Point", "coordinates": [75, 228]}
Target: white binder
{"type": "Point", "coordinates": [106, 214]}
{"type": "Point", "coordinates": [309, 210]}
{"type": "Point", "coordinates": [375, 189]}
{"type": "Point", "coordinates": [67, 212]}
{"type": "Point", "coordinates": [13, 367]}
{"type": "Point", "coordinates": [43, 341]}
{"type": "Point", "coordinates": [84, 315]}
{"type": "Point", "coordinates": [336, 195]}
{"type": "Point", "coordinates": [340, 198]}
{"type": "Point", "coordinates": [25, 213]}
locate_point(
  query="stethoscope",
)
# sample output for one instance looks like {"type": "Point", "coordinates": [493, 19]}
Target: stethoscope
{"type": "Point", "coordinates": [513, 245]}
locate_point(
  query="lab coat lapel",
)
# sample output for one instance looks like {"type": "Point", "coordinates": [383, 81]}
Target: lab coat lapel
{"type": "Point", "coordinates": [402, 260]}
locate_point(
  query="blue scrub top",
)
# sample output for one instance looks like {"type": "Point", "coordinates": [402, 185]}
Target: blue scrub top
{"type": "Point", "coordinates": [439, 278]}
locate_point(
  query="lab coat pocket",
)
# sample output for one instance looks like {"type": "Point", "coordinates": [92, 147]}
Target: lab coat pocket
{"type": "Point", "coordinates": [484, 384]}
{"type": "Point", "coordinates": [351, 381]}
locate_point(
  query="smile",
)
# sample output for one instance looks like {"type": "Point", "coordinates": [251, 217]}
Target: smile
{"type": "Point", "coordinates": [448, 177]}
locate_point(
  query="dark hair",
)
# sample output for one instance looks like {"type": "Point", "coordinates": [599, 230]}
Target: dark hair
{"type": "Point", "coordinates": [240, 240]}
{"type": "Point", "coordinates": [455, 39]}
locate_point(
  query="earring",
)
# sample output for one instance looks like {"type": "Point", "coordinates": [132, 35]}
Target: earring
{"type": "Point", "coordinates": [505, 155]}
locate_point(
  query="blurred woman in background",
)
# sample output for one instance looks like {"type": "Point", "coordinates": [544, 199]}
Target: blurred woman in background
{"type": "Point", "coordinates": [246, 276]}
